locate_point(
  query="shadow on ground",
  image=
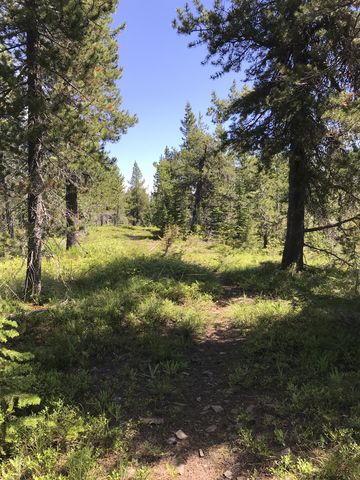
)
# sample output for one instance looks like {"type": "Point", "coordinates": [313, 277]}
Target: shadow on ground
{"type": "Point", "coordinates": [281, 383]}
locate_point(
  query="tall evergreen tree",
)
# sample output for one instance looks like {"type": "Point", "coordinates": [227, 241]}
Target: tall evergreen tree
{"type": "Point", "coordinates": [59, 51]}
{"type": "Point", "coordinates": [299, 54]}
{"type": "Point", "coordinates": [195, 185]}
{"type": "Point", "coordinates": [137, 198]}
{"type": "Point", "coordinates": [102, 194]}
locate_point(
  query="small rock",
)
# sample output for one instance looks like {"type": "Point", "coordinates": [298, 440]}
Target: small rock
{"type": "Point", "coordinates": [171, 441]}
{"type": "Point", "coordinates": [228, 474]}
{"type": "Point", "coordinates": [181, 469]}
{"type": "Point", "coordinates": [211, 429]}
{"type": "Point", "coordinates": [198, 399]}
{"type": "Point", "coordinates": [250, 408]}
{"type": "Point", "coordinates": [201, 453]}
{"type": "Point", "coordinates": [208, 372]}
{"type": "Point", "coordinates": [152, 421]}
{"type": "Point", "coordinates": [181, 435]}
{"type": "Point", "coordinates": [217, 408]}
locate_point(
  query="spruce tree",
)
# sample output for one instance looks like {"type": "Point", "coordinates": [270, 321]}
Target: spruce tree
{"type": "Point", "coordinates": [195, 185]}
{"type": "Point", "coordinates": [102, 193]}
{"type": "Point", "coordinates": [137, 198]}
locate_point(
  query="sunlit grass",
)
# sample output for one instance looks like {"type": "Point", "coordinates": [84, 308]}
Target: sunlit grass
{"type": "Point", "coordinates": [122, 313]}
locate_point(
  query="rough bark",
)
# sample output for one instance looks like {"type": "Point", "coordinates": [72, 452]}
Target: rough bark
{"type": "Point", "coordinates": [294, 242]}
{"type": "Point", "coordinates": [34, 161]}
{"type": "Point", "coordinates": [71, 196]}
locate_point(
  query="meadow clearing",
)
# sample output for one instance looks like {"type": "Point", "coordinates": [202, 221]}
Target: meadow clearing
{"type": "Point", "coordinates": [136, 340]}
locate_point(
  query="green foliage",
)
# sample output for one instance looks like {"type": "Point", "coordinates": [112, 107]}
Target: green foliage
{"type": "Point", "coordinates": [302, 59]}
{"type": "Point", "coordinates": [16, 382]}
{"type": "Point", "coordinates": [113, 347]}
{"type": "Point", "coordinates": [137, 199]}
{"type": "Point", "coordinates": [58, 73]}
{"type": "Point", "coordinates": [103, 197]}
{"type": "Point", "coordinates": [195, 186]}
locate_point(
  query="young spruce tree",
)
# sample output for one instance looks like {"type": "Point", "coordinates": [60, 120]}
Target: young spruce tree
{"type": "Point", "coordinates": [137, 198]}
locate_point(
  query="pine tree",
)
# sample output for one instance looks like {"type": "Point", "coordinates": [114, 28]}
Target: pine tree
{"type": "Point", "coordinates": [188, 125]}
{"type": "Point", "coordinates": [63, 53]}
{"type": "Point", "coordinates": [300, 54]}
{"type": "Point", "coordinates": [195, 185]}
{"type": "Point", "coordinates": [261, 200]}
{"type": "Point", "coordinates": [137, 198]}
{"type": "Point", "coordinates": [102, 193]}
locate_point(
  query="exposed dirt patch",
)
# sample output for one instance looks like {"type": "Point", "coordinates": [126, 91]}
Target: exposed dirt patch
{"type": "Point", "coordinates": [204, 408]}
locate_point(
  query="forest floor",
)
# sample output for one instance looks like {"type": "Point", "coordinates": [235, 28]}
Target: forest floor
{"type": "Point", "coordinates": [200, 361]}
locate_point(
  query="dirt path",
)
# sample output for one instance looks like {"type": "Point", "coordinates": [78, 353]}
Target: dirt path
{"type": "Point", "coordinates": [204, 409]}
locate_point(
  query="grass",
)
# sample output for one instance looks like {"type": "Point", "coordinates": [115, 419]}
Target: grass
{"type": "Point", "coordinates": [121, 324]}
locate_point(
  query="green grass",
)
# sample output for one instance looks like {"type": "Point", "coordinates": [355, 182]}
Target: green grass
{"type": "Point", "coordinates": [121, 321]}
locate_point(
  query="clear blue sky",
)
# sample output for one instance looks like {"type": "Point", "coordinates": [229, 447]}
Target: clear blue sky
{"type": "Point", "coordinates": [160, 75]}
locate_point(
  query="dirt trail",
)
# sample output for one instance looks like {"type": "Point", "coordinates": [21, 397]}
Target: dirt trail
{"type": "Point", "coordinates": [204, 410]}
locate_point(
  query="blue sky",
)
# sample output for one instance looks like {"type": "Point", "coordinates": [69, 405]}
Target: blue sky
{"type": "Point", "coordinates": [160, 75]}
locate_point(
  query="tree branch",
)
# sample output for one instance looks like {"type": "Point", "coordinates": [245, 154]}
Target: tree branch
{"type": "Point", "coordinates": [332, 225]}
{"type": "Point", "coordinates": [318, 249]}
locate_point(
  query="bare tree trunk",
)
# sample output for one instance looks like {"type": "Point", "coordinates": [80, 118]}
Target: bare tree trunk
{"type": "Point", "coordinates": [71, 196]}
{"type": "Point", "coordinates": [36, 184]}
{"type": "Point", "coordinates": [294, 243]}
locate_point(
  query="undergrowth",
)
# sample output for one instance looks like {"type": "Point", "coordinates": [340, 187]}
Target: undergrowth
{"type": "Point", "coordinates": [121, 315]}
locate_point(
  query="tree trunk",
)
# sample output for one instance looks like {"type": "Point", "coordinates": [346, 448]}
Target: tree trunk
{"type": "Point", "coordinates": [35, 201]}
{"type": "Point", "coordinates": [71, 197]}
{"type": "Point", "coordinates": [294, 243]}
{"type": "Point", "coordinates": [116, 217]}
{"type": "Point", "coordinates": [265, 240]}
{"type": "Point", "coordinates": [198, 194]}
{"type": "Point", "coordinates": [9, 216]}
